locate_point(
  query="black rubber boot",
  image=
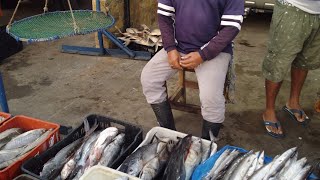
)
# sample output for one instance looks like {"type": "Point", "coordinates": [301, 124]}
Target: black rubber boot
{"type": "Point", "coordinates": [164, 114]}
{"type": "Point", "coordinates": [209, 126]}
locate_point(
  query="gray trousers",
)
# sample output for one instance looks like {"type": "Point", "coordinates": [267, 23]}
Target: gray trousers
{"type": "Point", "coordinates": [211, 77]}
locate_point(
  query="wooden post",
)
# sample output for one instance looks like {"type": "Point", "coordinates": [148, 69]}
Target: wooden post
{"type": "Point", "coordinates": [115, 8]}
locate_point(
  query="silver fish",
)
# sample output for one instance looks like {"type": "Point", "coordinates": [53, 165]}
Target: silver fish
{"type": "Point", "coordinates": [220, 169]}
{"type": "Point", "coordinates": [20, 152]}
{"type": "Point", "coordinates": [287, 166]}
{"type": "Point", "coordinates": [261, 173]}
{"type": "Point", "coordinates": [253, 166]}
{"type": "Point", "coordinates": [294, 169]}
{"type": "Point", "coordinates": [6, 155]}
{"type": "Point", "coordinates": [53, 167]}
{"type": "Point", "coordinates": [105, 137]}
{"type": "Point", "coordinates": [241, 171]}
{"type": "Point", "coordinates": [9, 134]}
{"type": "Point", "coordinates": [193, 157]}
{"type": "Point", "coordinates": [302, 173]}
{"type": "Point", "coordinates": [112, 150]}
{"type": "Point", "coordinates": [158, 163]}
{"type": "Point", "coordinates": [235, 164]}
{"type": "Point", "coordinates": [278, 163]}
{"type": "Point", "coordinates": [150, 170]}
{"type": "Point", "coordinates": [24, 139]}
{"type": "Point", "coordinates": [133, 164]}
{"type": "Point", "coordinates": [221, 158]}
{"type": "Point", "coordinates": [260, 161]}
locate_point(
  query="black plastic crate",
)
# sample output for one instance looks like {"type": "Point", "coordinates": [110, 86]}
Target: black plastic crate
{"type": "Point", "coordinates": [133, 137]}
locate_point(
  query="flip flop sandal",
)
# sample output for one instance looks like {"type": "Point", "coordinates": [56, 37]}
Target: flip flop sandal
{"type": "Point", "coordinates": [300, 112]}
{"type": "Point", "coordinates": [276, 125]}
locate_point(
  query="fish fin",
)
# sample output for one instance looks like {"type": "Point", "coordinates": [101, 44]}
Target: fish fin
{"type": "Point", "coordinates": [87, 128]}
{"type": "Point", "coordinates": [155, 137]}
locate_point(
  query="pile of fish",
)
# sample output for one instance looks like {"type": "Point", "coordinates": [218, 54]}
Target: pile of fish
{"type": "Point", "coordinates": [96, 147]}
{"type": "Point", "coordinates": [167, 158]}
{"type": "Point", "coordinates": [234, 165]}
{"type": "Point", "coordinates": [143, 36]}
{"type": "Point", "coordinates": [14, 144]}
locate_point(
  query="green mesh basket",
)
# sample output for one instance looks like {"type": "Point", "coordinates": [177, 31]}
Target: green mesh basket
{"type": "Point", "coordinates": [59, 24]}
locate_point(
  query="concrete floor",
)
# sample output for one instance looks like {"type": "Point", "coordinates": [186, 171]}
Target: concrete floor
{"type": "Point", "coordinates": [42, 82]}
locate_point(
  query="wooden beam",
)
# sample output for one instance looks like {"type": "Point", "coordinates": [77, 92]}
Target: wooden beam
{"type": "Point", "coordinates": [186, 107]}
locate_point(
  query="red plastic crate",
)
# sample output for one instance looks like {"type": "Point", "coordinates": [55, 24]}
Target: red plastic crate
{"type": "Point", "coordinates": [28, 123]}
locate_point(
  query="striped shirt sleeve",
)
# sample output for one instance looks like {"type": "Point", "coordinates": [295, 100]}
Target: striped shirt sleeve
{"type": "Point", "coordinates": [230, 26]}
{"type": "Point", "coordinates": [166, 13]}
{"type": "Point", "coordinates": [233, 13]}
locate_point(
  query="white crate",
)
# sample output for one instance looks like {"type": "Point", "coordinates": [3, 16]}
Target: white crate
{"type": "Point", "coordinates": [168, 133]}
{"type": "Point", "coordinates": [104, 173]}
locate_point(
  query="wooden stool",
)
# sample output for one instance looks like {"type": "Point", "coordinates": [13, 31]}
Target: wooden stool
{"type": "Point", "coordinates": [178, 100]}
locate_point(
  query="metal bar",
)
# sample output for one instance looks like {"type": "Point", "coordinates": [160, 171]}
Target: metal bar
{"type": "Point", "coordinates": [91, 51]}
{"type": "Point", "coordinates": [115, 40]}
{"type": "Point", "coordinates": [3, 98]}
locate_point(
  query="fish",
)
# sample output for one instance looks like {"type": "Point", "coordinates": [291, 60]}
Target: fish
{"type": "Point", "coordinates": [105, 137]}
{"type": "Point", "coordinates": [221, 158]}
{"type": "Point", "coordinates": [6, 155]}
{"type": "Point", "coordinates": [67, 168]}
{"type": "Point", "coordinates": [150, 170]}
{"type": "Point", "coordinates": [8, 134]}
{"type": "Point", "coordinates": [293, 169]}
{"type": "Point", "coordinates": [53, 167]}
{"type": "Point", "coordinates": [220, 168]}
{"type": "Point", "coordinates": [278, 163]}
{"type": "Point", "coordinates": [20, 152]}
{"type": "Point", "coordinates": [153, 168]}
{"type": "Point", "coordinates": [241, 170]}
{"type": "Point", "coordinates": [302, 174]}
{"type": "Point", "coordinates": [253, 166]}
{"type": "Point", "coordinates": [205, 153]}
{"type": "Point", "coordinates": [122, 178]}
{"type": "Point", "coordinates": [175, 168]}
{"type": "Point", "coordinates": [134, 163]}
{"type": "Point", "coordinates": [235, 164]}
{"type": "Point", "coordinates": [260, 161]}
{"type": "Point", "coordinates": [24, 139]}
{"type": "Point", "coordinates": [261, 173]}
{"type": "Point", "coordinates": [287, 166]}
{"type": "Point", "coordinates": [193, 157]}
{"type": "Point", "coordinates": [112, 150]}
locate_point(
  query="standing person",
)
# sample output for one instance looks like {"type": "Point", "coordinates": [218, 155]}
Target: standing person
{"type": "Point", "coordinates": [294, 43]}
{"type": "Point", "coordinates": [196, 35]}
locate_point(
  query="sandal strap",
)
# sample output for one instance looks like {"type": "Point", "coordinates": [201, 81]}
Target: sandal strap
{"type": "Point", "coordinates": [273, 124]}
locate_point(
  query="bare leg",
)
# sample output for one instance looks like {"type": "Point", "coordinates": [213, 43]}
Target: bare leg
{"type": "Point", "coordinates": [269, 114]}
{"type": "Point", "coordinates": [298, 76]}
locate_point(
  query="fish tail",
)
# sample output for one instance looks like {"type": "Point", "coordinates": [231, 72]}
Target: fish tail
{"type": "Point", "coordinates": [87, 128]}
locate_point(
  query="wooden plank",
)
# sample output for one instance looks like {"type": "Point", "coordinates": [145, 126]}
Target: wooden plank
{"type": "Point", "coordinates": [186, 107]}
{"type": "Point", "coordinates": [176, 95]}
{"type": "Point", "coordinates": [117, 11]}
{"type": "Point", "coordinates": [191, 84]}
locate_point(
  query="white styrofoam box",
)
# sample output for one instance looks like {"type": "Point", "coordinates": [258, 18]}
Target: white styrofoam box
{"type": "Point", "coordinates": [161, 132]}
{"type": "Point", "coordinates": [104, 173]}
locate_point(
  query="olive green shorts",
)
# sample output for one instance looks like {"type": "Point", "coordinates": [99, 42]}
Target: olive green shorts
{"type": "Point", "coordinates": [294, 41]}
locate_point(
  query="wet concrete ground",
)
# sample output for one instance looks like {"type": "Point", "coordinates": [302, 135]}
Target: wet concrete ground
{"type": "Point", "coordinates": [44, 83]}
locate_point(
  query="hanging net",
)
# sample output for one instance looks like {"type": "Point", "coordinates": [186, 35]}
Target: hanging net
{"type": "Point", "coordinates": [54, 25]}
